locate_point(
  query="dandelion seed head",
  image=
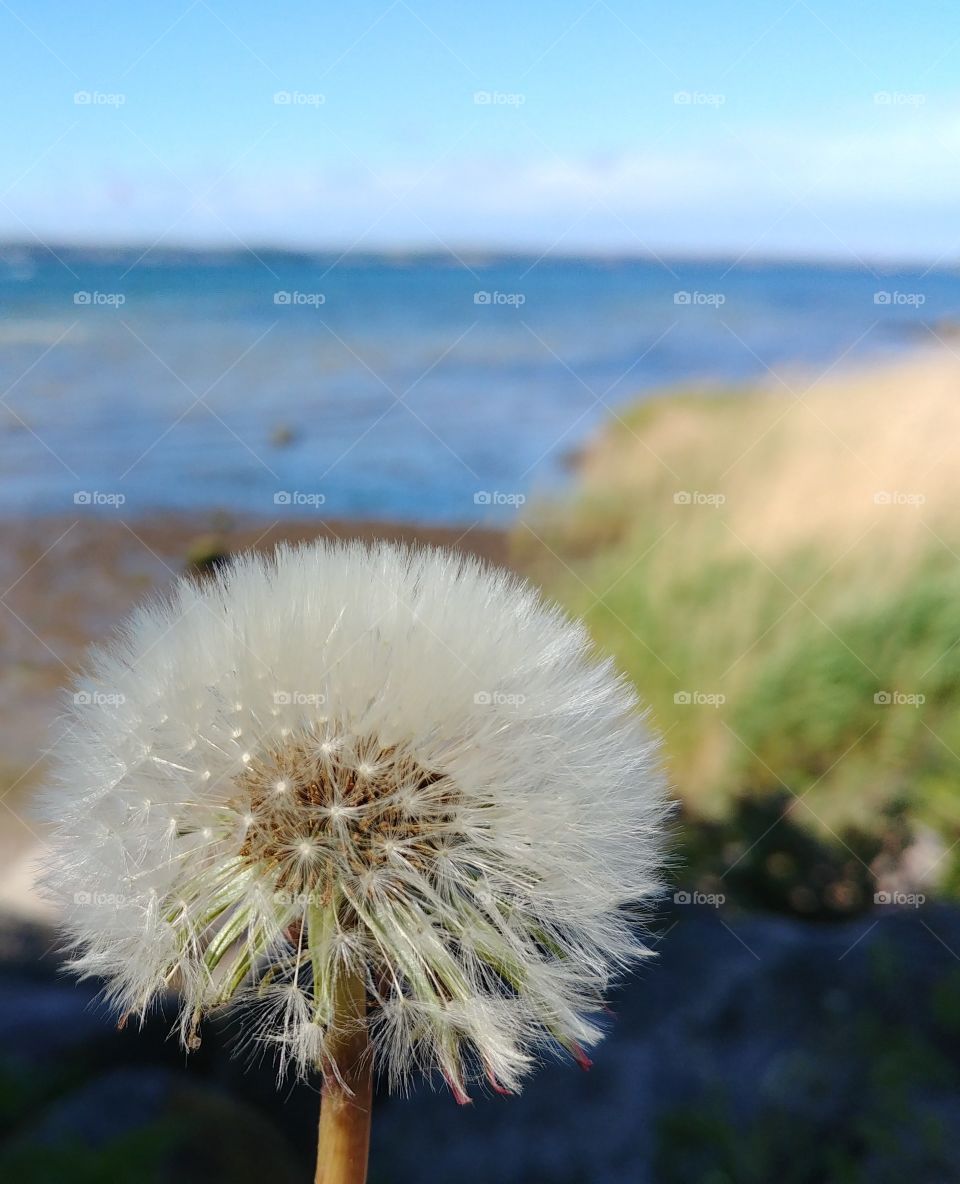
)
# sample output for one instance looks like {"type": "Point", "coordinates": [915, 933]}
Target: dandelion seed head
{"type": "Point", "coordinates": [462, 806]}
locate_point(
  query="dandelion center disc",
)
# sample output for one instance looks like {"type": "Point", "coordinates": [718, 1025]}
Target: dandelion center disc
{"type": "Point", "coordinates": [314, 810]}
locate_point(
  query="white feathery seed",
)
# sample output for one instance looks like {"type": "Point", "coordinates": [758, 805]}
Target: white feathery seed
{"type": "Point", "coordinates": [343, 760]}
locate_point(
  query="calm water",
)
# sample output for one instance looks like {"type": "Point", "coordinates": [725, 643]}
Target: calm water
{"type": "Point", "coordinates": [418, 388]}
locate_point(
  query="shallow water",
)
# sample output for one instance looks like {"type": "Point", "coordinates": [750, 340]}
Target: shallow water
{"type": "Point", "coordinates": [422, 389]}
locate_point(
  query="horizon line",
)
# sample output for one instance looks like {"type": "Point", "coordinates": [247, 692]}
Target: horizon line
{"type": "Point", "coordinates": [475, 252]}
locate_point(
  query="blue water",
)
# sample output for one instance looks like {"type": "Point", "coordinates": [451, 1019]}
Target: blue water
{"type": "Point", "coordinates": [382, 387]}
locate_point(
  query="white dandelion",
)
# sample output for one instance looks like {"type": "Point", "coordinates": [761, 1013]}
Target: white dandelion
{"type": "Point", "coordinates": [388, 799]}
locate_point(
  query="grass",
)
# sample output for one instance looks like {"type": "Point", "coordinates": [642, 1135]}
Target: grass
{"type": "Point", "coordinates": [778, 571]}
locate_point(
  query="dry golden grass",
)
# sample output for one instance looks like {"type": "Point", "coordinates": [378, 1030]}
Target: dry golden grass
{"type": "Point", "coordinates": [801, 461]}
{"type": "Point", "coordinates": [795, 549]}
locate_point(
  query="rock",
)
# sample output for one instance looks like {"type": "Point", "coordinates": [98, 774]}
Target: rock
{"type": "Point", "coordinates": [207, 555]}
{"type": "Point", "coordinates": [756, 1040]}
{"type": "Point", "coordinates": [282, 435]}
{"type": "Point", "coordinates": [917, 869]}
{"type": "Point", "coordinates": [151, 1124]}
{"type": "Point", "coordinates": [49, 1021]}
{"type": "Point", "coordinates": [755, 1048]}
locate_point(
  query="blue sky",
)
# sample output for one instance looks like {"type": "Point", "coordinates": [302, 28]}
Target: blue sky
{"type": "Point", "coordinates": [760, 126]}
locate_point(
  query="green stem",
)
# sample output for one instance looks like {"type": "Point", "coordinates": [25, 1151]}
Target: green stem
{"type": "Point", "coordinates": [344, 1137]}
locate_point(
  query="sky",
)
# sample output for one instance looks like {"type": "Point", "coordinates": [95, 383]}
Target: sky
{"type": "Point", "coordinates": [758, 127]}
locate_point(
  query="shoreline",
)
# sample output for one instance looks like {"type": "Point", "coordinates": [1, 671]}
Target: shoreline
{"type": "Point", "coordinates": [66, 580]}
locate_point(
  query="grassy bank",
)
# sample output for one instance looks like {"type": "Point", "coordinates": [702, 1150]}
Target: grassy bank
{"type": "Point", "coordinates": [778, 570]}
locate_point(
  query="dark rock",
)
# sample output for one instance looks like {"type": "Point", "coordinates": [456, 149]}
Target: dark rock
{"type": "Point", "coordinates": [47, 1021]}
{"type": "Point", "coordinates": [754, 1048]}
{"type": "Point", "coordinates": [154, 1125]}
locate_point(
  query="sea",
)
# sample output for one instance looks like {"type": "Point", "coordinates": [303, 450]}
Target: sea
{"type": "Point", "coordinates": [444, 389]}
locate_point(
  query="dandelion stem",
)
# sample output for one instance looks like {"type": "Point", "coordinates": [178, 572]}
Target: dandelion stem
{"type": "Point", "coordinates": [344, 1137]}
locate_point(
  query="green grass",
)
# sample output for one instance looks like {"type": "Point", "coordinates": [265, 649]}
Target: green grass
{"type": "Point", "coordinates": [786, 608]}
